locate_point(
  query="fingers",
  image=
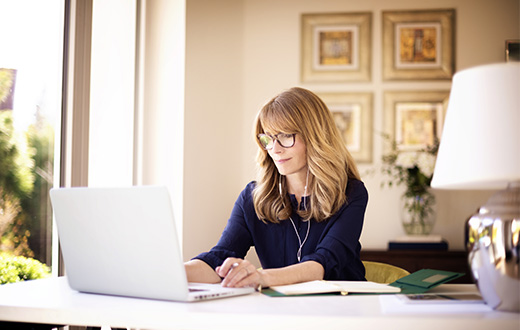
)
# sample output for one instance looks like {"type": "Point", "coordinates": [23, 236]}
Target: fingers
{"type": "Point", "coordinates": [237, 273]}
{"type": "Point", "coordinates": [227, 266]}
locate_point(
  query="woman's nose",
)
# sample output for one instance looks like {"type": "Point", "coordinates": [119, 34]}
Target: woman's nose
{"type": "Point", "coordinates": [276, 146]}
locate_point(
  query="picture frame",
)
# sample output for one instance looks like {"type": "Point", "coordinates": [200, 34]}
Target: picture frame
{"type": "Point", "coordinates": [419, 45]}
{"type": "Point", "coordinates": [7, 84]}
{"type": "Point", "coordinates": [336, 47]}
{"type": "Point", "coordinates": [414, 120]}
{"type": "Point", "coordinates": [513, 50]}
{"type": "Point", "coordinates": [353, 115]}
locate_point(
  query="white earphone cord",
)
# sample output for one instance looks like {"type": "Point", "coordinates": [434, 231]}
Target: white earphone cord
{"type": "Point", "coordinates": [299, 253]}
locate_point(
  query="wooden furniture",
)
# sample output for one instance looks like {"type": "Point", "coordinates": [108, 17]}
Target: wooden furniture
{"type": "Point", "coordinates": [414, 260]}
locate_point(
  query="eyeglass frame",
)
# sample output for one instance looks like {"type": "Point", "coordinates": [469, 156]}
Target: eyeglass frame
{"type": "Point", "coordinates": [275, 138]}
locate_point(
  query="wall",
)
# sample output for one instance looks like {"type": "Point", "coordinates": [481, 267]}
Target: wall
{"type": "Point", "coordinates": [241, 53]}
{"type": "Point", "coordinates": [160, 116]}
{"type": "Point", "coordinates": [213, 117]}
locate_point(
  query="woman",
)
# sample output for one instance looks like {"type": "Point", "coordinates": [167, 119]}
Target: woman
{"type": "Point", "coordinates": [305, 212]}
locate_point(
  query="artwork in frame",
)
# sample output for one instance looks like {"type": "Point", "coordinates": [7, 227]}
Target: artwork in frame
{"type": "Point", "coordinates": [336, 47]}
{"type": "Point", "coordinates": [419, 45]}
{"type": "Point", "coordinates": [7, 88]}
{"type": "Point", "coordinates": [512, 50]}
{"type": "Point", "coordinates": [352, 113]}
{"type": "Point", "coordinates": [414, 120]}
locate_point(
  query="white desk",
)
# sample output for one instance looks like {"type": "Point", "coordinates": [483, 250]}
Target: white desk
{"type": "Point", "coordinates": [52, 301]}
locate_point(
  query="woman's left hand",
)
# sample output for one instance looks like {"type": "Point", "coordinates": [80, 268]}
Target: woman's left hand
{"type": "Point", "coordinates": [239, 273]}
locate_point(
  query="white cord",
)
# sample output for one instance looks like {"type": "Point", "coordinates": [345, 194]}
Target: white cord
{"type": "Point", "coordinates": [304, 197]}
{"type": "Point", "coordinates": [299, 253]}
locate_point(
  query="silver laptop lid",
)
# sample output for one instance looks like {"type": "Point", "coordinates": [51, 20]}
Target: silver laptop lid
{"type": "Point", "coordinates": [120, 241]}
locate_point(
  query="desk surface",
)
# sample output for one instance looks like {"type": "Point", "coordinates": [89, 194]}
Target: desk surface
{"type": "Point", "coordinates": [52, 301]}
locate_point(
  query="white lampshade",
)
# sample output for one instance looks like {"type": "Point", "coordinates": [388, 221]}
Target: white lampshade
{"type": "Point", "coordinates": [480, 144]}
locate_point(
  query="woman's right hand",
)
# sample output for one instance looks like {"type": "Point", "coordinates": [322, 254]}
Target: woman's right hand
{"type": "Point", "coordinates": [239, 273]}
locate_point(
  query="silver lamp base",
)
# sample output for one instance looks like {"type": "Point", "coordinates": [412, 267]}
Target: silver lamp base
{"type": "Point", "coordinates": [492, 239]}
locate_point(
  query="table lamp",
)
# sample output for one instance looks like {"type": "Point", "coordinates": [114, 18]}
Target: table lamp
{"type": "Point", "coordinates": [480, 149]}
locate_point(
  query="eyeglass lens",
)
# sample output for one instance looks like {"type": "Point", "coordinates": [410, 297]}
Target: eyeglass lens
{"type": "Point", "coordinates": [285, 140]}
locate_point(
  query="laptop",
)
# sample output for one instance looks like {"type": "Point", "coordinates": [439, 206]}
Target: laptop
{"type": "Point", "coordinates": [123, 242]}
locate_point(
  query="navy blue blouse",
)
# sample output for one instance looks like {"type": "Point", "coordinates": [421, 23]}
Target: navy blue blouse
{"type": "Point", "coordinates": [334, 243]}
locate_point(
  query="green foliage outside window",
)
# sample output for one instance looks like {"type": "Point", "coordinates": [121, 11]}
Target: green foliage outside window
{"type": "Point", "coordinates": [16, 185]}
{"type": "Point", "coordinates": [18, 268]}
{"type": "Point", "coordinates": [26, 169]}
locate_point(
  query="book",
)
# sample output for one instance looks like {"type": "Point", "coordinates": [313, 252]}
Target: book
{"type": "Point", "coordinates": [419, 239]}
{"type": "Point", "coordinates": [423, 280]}
{"type": "Point", "coordinates": [396, 304]}
{"type": "Point", "coordinates": [418, 245]}
{"type": "Point", "coordinates": [442, 298]}
{"type": "Point", "coordinates": [342, 287]}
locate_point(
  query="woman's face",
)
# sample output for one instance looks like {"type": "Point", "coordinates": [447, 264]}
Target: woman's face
{"type": "Point", "coordinates": [290, 161]}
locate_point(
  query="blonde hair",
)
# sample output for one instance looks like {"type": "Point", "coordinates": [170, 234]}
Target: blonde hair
{"type": "Point", "coordinates": [330, 165]}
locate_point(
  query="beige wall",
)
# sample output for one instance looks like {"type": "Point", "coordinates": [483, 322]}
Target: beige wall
{"type": "Point", "coordinates": [241, 53]}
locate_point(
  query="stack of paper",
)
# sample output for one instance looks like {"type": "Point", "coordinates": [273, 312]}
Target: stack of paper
{"type": "Point", "coordinates": [419, 239]}
{"type": "Point", "coordinates": [419, 242]}
{"type": "Point", "coordinates": [391, 304]}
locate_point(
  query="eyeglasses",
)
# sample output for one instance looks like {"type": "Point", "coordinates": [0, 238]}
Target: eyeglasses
{"type": "Point", "coordinates": [284, 140]}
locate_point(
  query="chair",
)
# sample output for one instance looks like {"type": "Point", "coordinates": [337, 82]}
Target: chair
{"type": "Point", "coordinates": [383, 273]}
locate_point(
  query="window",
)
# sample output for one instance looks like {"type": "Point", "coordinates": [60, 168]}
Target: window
{"type": "Point", "coordinates": [31, 63]}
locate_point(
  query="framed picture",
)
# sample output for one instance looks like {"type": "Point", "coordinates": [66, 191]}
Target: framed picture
{"type": "Point", "coordinates": [512, 50]}
{"type": "Point", "coordinates": [7, 88]}
{"type": "Point", "coordinates": [336, 47]}
{"type": "Point", "coordinates": [352, 113]}
{"type": "Point", "coordinates": [418, 45]}
{"type": "Point", "coordinates": [414, 120]}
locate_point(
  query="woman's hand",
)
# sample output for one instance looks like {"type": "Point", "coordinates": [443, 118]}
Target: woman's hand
{"type": "Point", "coordinates": [239, 273]}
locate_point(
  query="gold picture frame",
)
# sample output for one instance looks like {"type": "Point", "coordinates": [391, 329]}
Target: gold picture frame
{"type": "Point", "coordinates": [352, 113]}
{"type": "Point", "coordinates": [419, 45]}
{"type": "Point", "coordinates": [414, 120]}
{"type": "Point", "coordinates": [336, 47]}
{"type": "Point", "coordinates": [513, 50]}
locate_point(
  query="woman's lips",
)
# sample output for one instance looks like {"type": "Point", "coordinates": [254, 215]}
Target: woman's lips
{"type": "Point", "coordinates": [281, 161]}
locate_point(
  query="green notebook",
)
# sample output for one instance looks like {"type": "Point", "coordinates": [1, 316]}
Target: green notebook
{"type": "Point", "coordinates": [418, 282]}
{"type": "Point", "coordinates": [424, 280]}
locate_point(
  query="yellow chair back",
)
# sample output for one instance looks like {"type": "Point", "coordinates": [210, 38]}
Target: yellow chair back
{"type": "Point", "coordinates": [383, 273]}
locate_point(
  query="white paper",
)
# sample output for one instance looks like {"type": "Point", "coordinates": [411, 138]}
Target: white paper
{"type": "Point", "coordinates": [311, 287]}
{"type": "Point", "coordinates": [365, 287]}
{"type": "Point", "coordinates": [345, 287]}
{"type": "Point", "coordinates": [392, 304]}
